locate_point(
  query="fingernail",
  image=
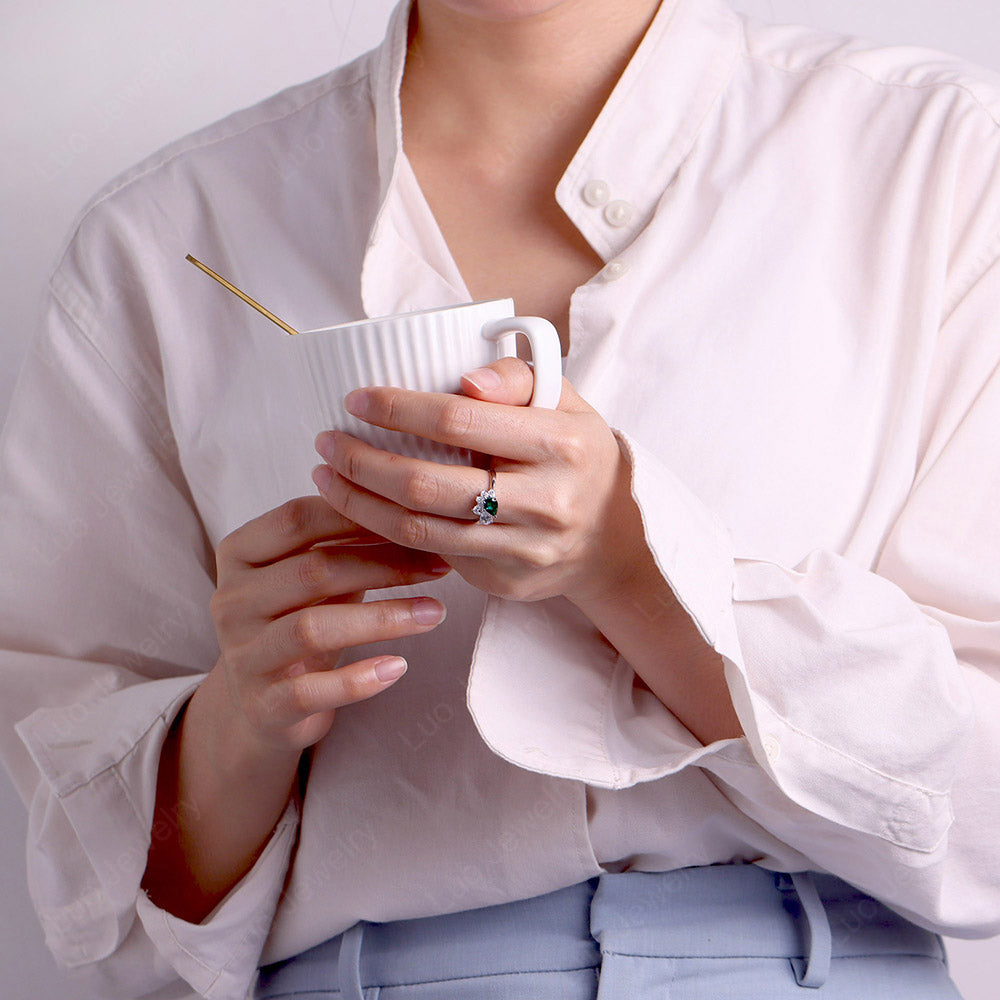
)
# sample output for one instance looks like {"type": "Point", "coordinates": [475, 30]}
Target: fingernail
{"type": "Point", "coordinates": [356, 403]}
{"type": "Point", "coordinates": [439, 569]}
{"type": "Point", "coordinates": [325, 445]}
{"type": "Point", "coordinates": [483, 379]}
{"type": "Point", "coordinates": [322, 476]}
{"type": "Point", "coordinates": [389, 669]}
{"type": "Point", "coordinates": [427, 611]}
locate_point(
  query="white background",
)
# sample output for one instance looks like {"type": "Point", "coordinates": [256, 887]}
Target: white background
{"type": "Point", "coordinates": [90, 86]}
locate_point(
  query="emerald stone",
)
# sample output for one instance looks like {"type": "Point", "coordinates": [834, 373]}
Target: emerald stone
{"type": "Point", "coordinates": [486, 507]}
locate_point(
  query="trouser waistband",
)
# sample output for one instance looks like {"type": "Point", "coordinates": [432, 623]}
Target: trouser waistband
{"type": "Point", "coordinates": [714, 911]}
{"type": "Point", "coordinates": [550, 932]}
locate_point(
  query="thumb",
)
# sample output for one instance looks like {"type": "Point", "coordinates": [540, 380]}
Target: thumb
{"type": "Point", "coordinates": [507, 380]}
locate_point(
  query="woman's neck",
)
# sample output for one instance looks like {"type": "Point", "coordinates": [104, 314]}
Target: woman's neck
{"type": "Point", "coordinates": [531, 82]}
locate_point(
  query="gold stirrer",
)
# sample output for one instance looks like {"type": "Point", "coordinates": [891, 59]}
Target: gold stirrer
{"type": "Point", "coordinates": [243, 295]}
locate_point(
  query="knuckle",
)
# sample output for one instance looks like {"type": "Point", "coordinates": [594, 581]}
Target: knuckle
{"type": "Point", "coordinates": [294, 516]}
{"type": "Point", "coordinates": [516, 587]}
{"type": "Point", "coordinates": [557, 511]}
{"type": "Point", "coordinates": [294, 696]}
{"type": "Point", "coordinates": [225, 550]}
{"type": "Point", "coordinates": [224, 609]}
{"type": "Point", "coordinates": [454, 418]}
{"type": "Point", "coordinates": [560, 511]}
{"type": "Point", "coordinates": [421, 491]}
{"type": "Point", "coordinates": [388, 619]}
{"type": "Point", "coordinates": [347, 503]}
{"type": "Point", "coordinates": [383, 406]}
{"type": "Point", "coordinates": [387, 406]}
{"type": "Point", "coordinates": [383, 618]}
{"type": "Point", "coordinates": [551, 519]}
{"type": "Point", "coordinates": [312, 571]}
{"type": "Point", "coordinates": [307, 632]}
{"type": "Point", "coordinates": [542, 555]}
{"type": "Point", "coordinates": [522, 379]}
{"type": "Point", "coordinates": [411, 530]}
{"type": "Point", "coordinates": [218, 607]}
{"type": "Point", "coordinates": [570, 448]}
{"type": "Point", "coordinates": [273, 645]}
{"type": "Point", "coordinates": [352, 465]}
{"type": "Point", "coordinates": [519, 591]}
{"type": "Point", "coordinates": [307, 694]}
{"type": "Point", "coordinates": [354, 686]}
{"type": "Point", "coordinates": [513, 369]}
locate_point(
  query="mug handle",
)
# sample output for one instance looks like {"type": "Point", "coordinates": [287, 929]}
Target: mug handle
{"type": "Point", "coordinates": [546, 354]}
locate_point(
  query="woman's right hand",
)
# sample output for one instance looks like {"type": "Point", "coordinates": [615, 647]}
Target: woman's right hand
{"type": "Point", "coordinates": [289, 601]}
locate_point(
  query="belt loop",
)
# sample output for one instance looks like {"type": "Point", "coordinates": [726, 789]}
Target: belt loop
{"type": "Point", "coordinates": [349, 963]}
{"type": "Point", "coordinates": [818, 937]}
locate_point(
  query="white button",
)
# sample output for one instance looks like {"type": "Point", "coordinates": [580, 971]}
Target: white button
{"type": "Point", "coordinates": [619, 214]}
{"type": "Point", "coordinates": [615, 270]}
{"type": "Point", "coordinates": [772, 748]}
{"type": "Point", "coordinates": [596, 193]}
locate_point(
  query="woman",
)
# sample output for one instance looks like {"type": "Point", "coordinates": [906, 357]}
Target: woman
{"type": "Point", "coordinates": [733, 579]}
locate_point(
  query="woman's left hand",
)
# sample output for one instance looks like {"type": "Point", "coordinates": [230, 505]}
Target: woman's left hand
{"type": "Point", "coordinates": [566, 525]}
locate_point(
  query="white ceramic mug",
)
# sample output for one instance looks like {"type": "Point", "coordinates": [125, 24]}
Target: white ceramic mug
{"type": "Point", "coordinates": [428, 351]}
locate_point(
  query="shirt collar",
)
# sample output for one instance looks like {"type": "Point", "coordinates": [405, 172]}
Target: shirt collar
{"type": "Point", "coordinates": [635, 147]}
{"type": "Point", "coordinates": [387, 76]}
{"type": "Point", "coordinates": [650, 122]}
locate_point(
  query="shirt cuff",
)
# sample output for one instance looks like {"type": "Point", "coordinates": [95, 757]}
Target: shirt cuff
{"type": "Point", "coordinates": [89, 832]}
{"type": "Point", "coordinates": [219, 956]}
{"type": "Point", "coordinates": [550, 694]}
{"type": "Point", "coordinates": [90, 819]}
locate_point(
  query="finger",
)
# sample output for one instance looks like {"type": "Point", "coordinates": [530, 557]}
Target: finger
{"type": "Point", "coordinates": [430, 487]}
{"type": "Point", "coordinates": [295, 525]}
{"type": "Point", "coordinates": [413, 529]}
{"type": "Point", "coordinates": [507, 380]}
{"type": "Point", "coordinates": [318, 574]}
{"type": "Point", "coordinates": [521, 433]}
{"type": "Point", "coordinates": [322, 629]}
{"type": "Point", "coordinates": [313, 692]}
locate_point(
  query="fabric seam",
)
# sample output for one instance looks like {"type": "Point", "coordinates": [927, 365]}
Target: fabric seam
{"type": "Point", "coordinates": [488, 975]}
{"type": "Point", "coordinates": [854, 760]}
{"type": "Point", "coordinates": [78, 324]}
{"type": "Point", "coordinates": [784, 958]}
{"type": "Point", "coordinates": [127, 180]}
{"type": "Point", "coordinates": [895, 84]}
{"type": "Point", "coordinates": [112, 766]}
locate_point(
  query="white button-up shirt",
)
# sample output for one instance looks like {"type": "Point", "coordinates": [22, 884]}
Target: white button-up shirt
{"type": "Point", "coordinates": [796, 334]}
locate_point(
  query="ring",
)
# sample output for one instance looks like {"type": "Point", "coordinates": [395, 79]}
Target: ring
{"type": "Point", "coordinates": [487, 506]}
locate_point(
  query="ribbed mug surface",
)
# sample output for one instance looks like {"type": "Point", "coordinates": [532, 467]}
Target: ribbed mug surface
{"type": "Point", "coordinates": [428, 351]}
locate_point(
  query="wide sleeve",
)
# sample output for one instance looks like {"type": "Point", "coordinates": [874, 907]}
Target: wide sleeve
{"type": "Point", "coordinates": [104, 634]}
{"type": "Point", "coordinates": [876, 695]}
{"type": "Point", "coordinates": [869, 694]}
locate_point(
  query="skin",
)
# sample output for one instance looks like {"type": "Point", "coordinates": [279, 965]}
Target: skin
{"type": "Point", "coordinates": [285, 608]}
{"type": "Point", "coordinates": [568, 524]}
{"type": "Point", "coordinates": [488, 136]}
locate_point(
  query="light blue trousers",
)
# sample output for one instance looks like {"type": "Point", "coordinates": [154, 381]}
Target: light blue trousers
{"type": "Point", "coordinates": [724, 932]}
